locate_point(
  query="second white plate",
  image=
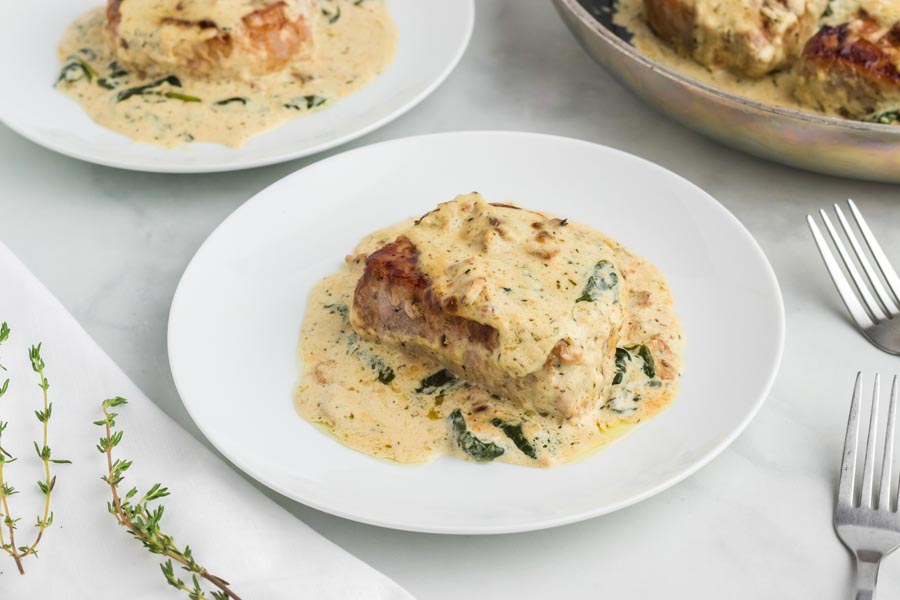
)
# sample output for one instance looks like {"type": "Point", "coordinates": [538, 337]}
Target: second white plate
{"type": "Point", "coordinates": [433, 34]}
{"type": "Point", "coordinates": [235, 322]}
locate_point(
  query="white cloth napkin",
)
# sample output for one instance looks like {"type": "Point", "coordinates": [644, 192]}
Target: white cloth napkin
{"type": "Point", "coordinates": [233, 530]}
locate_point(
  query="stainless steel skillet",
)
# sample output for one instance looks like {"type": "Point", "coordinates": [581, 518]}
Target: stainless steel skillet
{"type": "Point", "coordinates": [825, 144]}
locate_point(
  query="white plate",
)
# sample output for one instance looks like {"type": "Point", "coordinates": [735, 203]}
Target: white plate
{"type": "Point", "coordinates": [433, 36]}
{"type": "Point", "coordinates": [235, 322]}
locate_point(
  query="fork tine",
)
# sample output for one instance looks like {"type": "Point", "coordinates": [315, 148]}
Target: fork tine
{"type": "Point", "coordinates": [848, 462]}
{"type": "Point", "coordinates": [868, 300]}
{"type": "Point", "coordinates": [884, 495]}
{"type": "Point", "coordinates": [886, 302]}
{"type": "Point", "coordinates": [844, 290]}
{"type": "Point", "coordinates": [884, 265]}
{"type": "Point", "coordinates": [865, 499]}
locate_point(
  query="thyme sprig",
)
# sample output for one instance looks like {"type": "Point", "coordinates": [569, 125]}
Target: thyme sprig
{"type": "Point", "coordinates": [143, 521]}
{"type": "Point", "coordinates": [45, 519]}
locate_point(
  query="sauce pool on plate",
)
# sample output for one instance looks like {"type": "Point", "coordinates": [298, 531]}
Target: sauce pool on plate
{"type": "Point", "coordinates": [393, 403]}
{"type": "Point", "coordinates": [354, 42]}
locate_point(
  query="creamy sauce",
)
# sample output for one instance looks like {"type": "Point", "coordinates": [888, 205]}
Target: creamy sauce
{"type": "Point", "coordinates": [386, 402]}
{"type": "Point", "coordinates": [776, 88]}
{"type": "Point", "coordinates": [886, 11]}
{"type": "Point", "coordinates": [354, 42]}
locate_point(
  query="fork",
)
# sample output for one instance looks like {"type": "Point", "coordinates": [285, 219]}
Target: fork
{"type": "Point", "coordinates": [875, 314]}
{"type": "Point", "coordinates": [871, 531]}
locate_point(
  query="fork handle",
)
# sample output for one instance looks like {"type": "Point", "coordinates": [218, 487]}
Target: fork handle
{"type": "Point", "coordinates": [866, 577]}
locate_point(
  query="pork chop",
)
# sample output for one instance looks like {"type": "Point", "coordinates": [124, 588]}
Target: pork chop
{"type": "Point", "coordinates": [851, 69]}
{"type": "Point", "coordinates": [748, 37]}
{"type": "Point", "coordinates": [397, 303]}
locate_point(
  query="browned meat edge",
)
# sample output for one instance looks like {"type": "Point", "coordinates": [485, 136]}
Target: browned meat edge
{"type": "Point", "coordinates": [394, 298]}
{"type": "Point", "coordinates": [840, 47]}
{"type": "Point", "coordinates": [267, 28]}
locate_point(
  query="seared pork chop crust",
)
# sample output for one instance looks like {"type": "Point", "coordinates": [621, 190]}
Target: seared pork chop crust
{"type": "Point", "coordinates": [393, 298]}
{"type": "Point", "coordinates": [851, 68]}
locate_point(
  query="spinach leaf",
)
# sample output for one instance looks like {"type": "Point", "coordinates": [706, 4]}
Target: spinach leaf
{"type": "Point", "coordinates": [622, 359]}
{"type": "Point", "coordinates": [76, 69]}
{"type": "Point", "coordinates": [471, 445]}
{"type": "Point", "coordinates": [440, 381]}
{"type": "Point", "coordinates": [384, 372]}
{"type": "Point", "coordinates": [230, 100]}
{"type": "Point", "coordinates": [306, 102]}
{"type": "Point", "coordinates": [143, 89]}
{"type": "Point", "coordinates": [604, 278]}
{"type": "Point", "coordinates": [116, 70]}
{"type": "Point", "coordinates": [624, 356]}
{"type": "Point", "coordinates": [514, 432]}
{"type": "Point", "coordinates": [649, 367]}
{"type": "Point", "coordinates": [111, 81]}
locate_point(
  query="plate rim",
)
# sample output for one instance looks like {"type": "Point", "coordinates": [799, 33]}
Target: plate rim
{"type": "Point", "coordinates": [468, 6]}
{"type": "Point", "coordinates": [523, 525]}
{"type": "Point", "coordinates": [580, 12]}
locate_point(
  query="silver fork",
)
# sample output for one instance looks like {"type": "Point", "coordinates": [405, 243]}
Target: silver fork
{"type": "Point", "coordinates": [871, 531]}
{"type": "Point", "coordinates": [876, 314]}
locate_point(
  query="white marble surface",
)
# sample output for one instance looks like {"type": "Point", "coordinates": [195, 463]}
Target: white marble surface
{"type": "Point", "coordinates": [756, 523]}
